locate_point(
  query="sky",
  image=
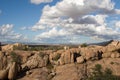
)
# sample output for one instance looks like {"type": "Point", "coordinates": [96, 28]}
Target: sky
{"type": "Point", "coordinates": [59, 21]}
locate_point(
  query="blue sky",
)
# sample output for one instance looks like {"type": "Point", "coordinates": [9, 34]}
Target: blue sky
{"type": "Point", "coordinates": [59, 21]}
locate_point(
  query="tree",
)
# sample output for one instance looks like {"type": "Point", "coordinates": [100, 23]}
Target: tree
{"type": "Point", "coordinates": [84, 45]}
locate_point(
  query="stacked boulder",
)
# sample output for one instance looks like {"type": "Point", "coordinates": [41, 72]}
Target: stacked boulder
{"type": "Point", "coordinates": [111, 55]}
{"type": "Point", "coordinates": [7, 71]}
{"type": "Point", "coordinates": [36, 61]}
{"type": "Point", "coordinates": [64, 57]}
{"type": "Point", "coordinates": [13, 70]}
{"type": "Point", "coordinates": [69, 56]}
{"type": "Point", "coordinates": [80, 59]}
{"type": "Point", "coordinates": [3, 60]}
{"type": "Point", "coordinates": [91, 54]}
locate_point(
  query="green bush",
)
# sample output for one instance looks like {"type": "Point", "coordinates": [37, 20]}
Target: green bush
{"type": "Point", "coordinates": [49, 65]}
{"type": "Point", "coordinates": [98, 74]}
{"type": "Point", "coordinates": [43, 47]}
{"type": "Point", "coordinates": [84, 45]}
{"type": "Point", "coordinates": [15, 58]}
{"type": "Point", "coordinates": [23, 47]}
{"type": "Point", "coordinates": [41, 54]}
{"type": "Point", "coordinates": [57, 57]}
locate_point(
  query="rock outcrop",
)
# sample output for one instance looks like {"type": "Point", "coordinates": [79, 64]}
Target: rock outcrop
{"type": "Point", "coordinates": [69, 64]}
{"type": "Point", "coordinates": [36, 61]}
{"type": "Point", "coordinates": [13, 71]}
{"type": "Point", "coordinates": [66, 72]}
{"type": "Point", "coordinates": [3, 60]}
{"type": "Point", "coordinates": [69, 56]}
{"type": "Point", "coordinates": [80, 59]}
{"type": "Point", "coordinates": [11, 47]}
{"type": "Point", "coordinates": [3, 74]}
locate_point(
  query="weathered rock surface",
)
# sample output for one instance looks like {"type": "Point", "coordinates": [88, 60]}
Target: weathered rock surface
{"type": "Point", "coordinates": [13, 71]}
{"type": "Point", "coordinates": [11, 47]}
{"type": "Point", "coordinates": [37, 74]}
{"type": "Point", "coordinates": [3, 60]}
{"type": "Point", "coordinates": [111, 63]}
{"type": "Point", "coordinates": [69, 56]}
{"type": "Point", "coordinates": [80, 59]}
{"type": "Point", "coordinates": [69, 64]}
{"type": "Point", "coordinates": [3, 74]}
{"type": "Point", "coordinates": [36, 61]}
{"type": "Point", "coordinates": [66, 72]}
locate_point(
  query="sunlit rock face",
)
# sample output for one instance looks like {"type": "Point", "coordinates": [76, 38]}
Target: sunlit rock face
{"type": "Point", "coordinates": [58, 64]}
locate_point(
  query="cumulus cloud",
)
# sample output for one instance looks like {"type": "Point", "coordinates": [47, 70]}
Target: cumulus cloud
{"type": "Point", "coordinates": [79, 17]}
{"type": "Point", "coordinates": [7, 33]}
{"type": "Point", "coordinates": [117, 24]}
{"type": "Point", "coordinates": [40, 1]}
{"type": "Point", "coordinates": [52, 33]}
{"type": "Point", "coordinates": [38, 27]}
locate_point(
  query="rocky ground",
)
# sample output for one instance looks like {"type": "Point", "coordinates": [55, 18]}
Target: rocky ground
{"type": "Point", "coordinates": [66, 64]}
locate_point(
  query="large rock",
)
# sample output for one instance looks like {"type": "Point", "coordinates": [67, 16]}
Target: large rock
{"type": "Point", "coordinates": [3, 60]}
{"type": "Point", "coordinates": [13, 71]}
{"type": "Point", "coordinates": [54, 58]}
{"type": "Point", "coordinates": [36, 74]}
{"type": "Point", "coordinates": [36, 61]}
{"type": "Point", "coordinates": [115, 55]}
{"type": "Point", "coordinates": [65, 58]}
{"type": "Point", "coordinates": [114, 43]}
{"type": "Point", "coordinates": [62, 62]}
{"type": "Point", "coordinates": [3, 74]}
{"type": "Point", "coordinates": [69, 56]}
{"type": "Point", "coordinates": [66, 72]}
{"type": "Point", "coordinates": [11, 47]}
{"type": "Point", "coordinates": [7, 47]}
{"type": "Point", "coordinates": [80, 59]}
{"type": "Point", "coordinates": [106, 55]}
{"type": "Point", "coordinates": [91, 53]}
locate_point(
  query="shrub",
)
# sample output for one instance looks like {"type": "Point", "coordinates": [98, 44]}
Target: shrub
{"type": "Point", "coordinates": [22, 47]}
{"type": "Point", "coordinates": [112, 63]}
{"type": "Point", "coordinates": [15, 58]}
{"type": "Point", "coordinates": [49, 65]}
{"type": "Point", "coordinates": [41, 54]}
{"type": "Point", "coordinates": [98, 74]}
{"type": "Point", "coordinates": [57, 57]}
{"type": "Point", "coordinates": [84, 45]}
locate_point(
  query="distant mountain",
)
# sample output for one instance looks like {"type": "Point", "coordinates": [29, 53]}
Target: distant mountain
{"type": "Point", "coordinates": [105, 43]}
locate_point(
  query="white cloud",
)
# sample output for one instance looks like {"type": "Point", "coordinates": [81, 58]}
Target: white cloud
{"type": "Point", "coordinates": [79, 17]}
{"type": "Point", "coordinates": [52, 33]}
{"type": "Point", "coordinates": [40, 1]}
{"type": "Point", "coordinates": [117, 24]}
{"type": "Point", "coordinates": [7, 33]}
{"type": "Point", "coordinates": [37, 27]}
{"type": "Point", "coordinates": [23, 28]}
